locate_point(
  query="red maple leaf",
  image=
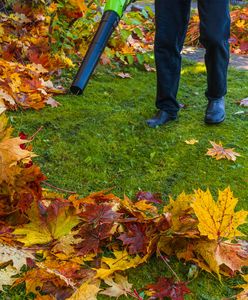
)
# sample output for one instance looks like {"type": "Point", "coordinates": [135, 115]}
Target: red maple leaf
{"type": "Point", "coordinates": [167, 287]}
{"type": "Point", "coordinates": [154, 198]}
{"type": "Point", "coordinates": [164, 223]}
{"type": "Point", "coordinates": [135, 238]}
{"type": "Point", "coordinates": [92, 237]}
{"type": "Point", "coordinates": [25, 201]}
{"type": "Point", "coordinates": [99, 214]}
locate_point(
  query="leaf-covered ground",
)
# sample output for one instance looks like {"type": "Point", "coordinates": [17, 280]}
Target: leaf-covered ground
{"type": "Point", "coordinates": [100, 140]}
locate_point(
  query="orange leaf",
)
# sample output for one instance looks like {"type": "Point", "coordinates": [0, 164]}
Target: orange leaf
{"type": "Point", "coordinates": [219, 152]}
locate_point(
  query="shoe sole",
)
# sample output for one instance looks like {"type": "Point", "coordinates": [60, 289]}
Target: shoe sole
{"type": "Point", "coordinates": [152, 126]}
{"type": "Point", "coordinates": [212, 123]}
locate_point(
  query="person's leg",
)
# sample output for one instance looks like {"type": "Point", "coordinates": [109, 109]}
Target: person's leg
{"type": "Point", "coordinates": [171, 17]}
{"type": "Point", "coordinates": [214, 35]}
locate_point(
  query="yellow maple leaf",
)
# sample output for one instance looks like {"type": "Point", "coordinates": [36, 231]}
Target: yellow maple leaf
{"type": "Point", "coordinates": [191, 142]}
{"type": "Point", "coordinates": [80, 4]}
{"type": "Point", "coordinates": [146, 208]}
{"type": "Point", "coordinates": [5, 130]}
{"type": "Point", "coordinates": [42, 231]}
{"type": "Point", "coordinates": [219, 152]}
{"type": "Point", "coordinates": [122, 261]}
{"type": "Point", "coordinates": [218, 219]}
{"type": "Point", "coordinates": [11, 154]}
{"type": "Point", "coordinates": [87, 291]}
{"type": "Point", "coordinates": [64, 246]}
{"type": "Point", "coordinates": [240, 24]}
{"type": "Point", "coordinates": [35, 279]}
{"type": "Point", "coordinates": [212, 255]}
{"type": "Point", "coordinates": [206, 251]}
{"type": "Point", "coordinates": [180, 211]}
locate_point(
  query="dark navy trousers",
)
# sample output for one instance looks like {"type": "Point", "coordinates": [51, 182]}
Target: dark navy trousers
{"type": "Point", "coordinates": [172, 17]}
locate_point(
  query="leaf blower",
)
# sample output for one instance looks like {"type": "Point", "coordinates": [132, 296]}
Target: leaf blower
{"type": "Point", "coordinates": [113, 12]}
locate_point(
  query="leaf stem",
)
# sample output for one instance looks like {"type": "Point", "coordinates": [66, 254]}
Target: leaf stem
{"type": "Point", "coordinates": [168, 266]}
{"type": "Point", "coordinates": [33, 136]}
{"type": "Point", "coordinates": [57, 188]}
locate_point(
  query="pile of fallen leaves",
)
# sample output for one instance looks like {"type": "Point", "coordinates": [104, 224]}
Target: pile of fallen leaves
{"type": "Point", "coordinates": [74, 247]}
{"type": "Point", "coordinates": [25, 86]}
{"type": "Point", "coordinates": [239, 31]}
{"type": "Point", "coordinates": [40, 39]}
{"type": "Point", "coordinates": [27, 63]}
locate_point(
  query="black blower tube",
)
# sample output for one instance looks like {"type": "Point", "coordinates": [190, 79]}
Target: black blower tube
{"type": "Point", "coordinates": [109, 21]}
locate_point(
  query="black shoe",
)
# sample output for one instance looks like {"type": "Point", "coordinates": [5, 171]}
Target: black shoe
{"type": "Point", "coordinates": [215, 112]}
{"type": "Point", "coordinates": [160, 118]}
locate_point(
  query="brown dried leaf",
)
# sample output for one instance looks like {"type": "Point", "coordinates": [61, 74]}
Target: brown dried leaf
{"type": "Point", "coordinates": [218, 152]}
{"type": "Point", "coordinates": [124, 75]}
{"type": "Point", "coordinates": [118, 286]}
{"type": "Point", "coordinates": [244, 102]}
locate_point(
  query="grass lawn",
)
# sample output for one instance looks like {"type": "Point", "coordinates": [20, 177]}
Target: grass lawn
{"type": "Point", "coordinates": [100, 140]}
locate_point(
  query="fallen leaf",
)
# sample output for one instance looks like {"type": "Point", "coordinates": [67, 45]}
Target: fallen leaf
{"type": "Point", "coordinates": [80, 4]}
{"type": "Point", "coordinates": [167, 287]}
{"type": "Point", "coordinates": [135, 238]}
{"type": "Point", "coordinates": [118, 286]}
{"type": "Point", "coordinates": [12, 153]}
{"type": "Point", "coordinates": [98, 214]}
{"type": "Point", "coordinates": [206, 250]}
{"type": "Point", "coordinates": [234, 256]}
{"type": "Point", "coordinates": [149, 68]}
{"type": "Point", "coordinates": [218, 219]}
{"type": "Point", "coordinates": [240, 112]}
{"type": "Point", "coordinates": [41, 230]}
{"type": "Point", "coordinates": [180, 214]}
{"type": "Point", "coordinates": [52, 102]}
{"type": "Point", "coordinates": [17, 256]}
{"type": "Point", "coordinates": [218, 152]}
{"type": "Point", "coordinates": [122, 261]}
{"type": "Point", "coordinates": [35, 279]}
{"type": "Point", "coordinates": [146, 207]}
{"type": "Point", "coordinates": [191, 142]}
{"type": "Point", "coordinates": [154, 198]}
{"type": "Point", "coordinates": [6, 97]}
{"type": "Point", "coordinates": [65, 245]}
{"type": "Point", "coordinates": [87, 291]}
{"type": "Point", "coordinates": [182, 105]}
{"type": "Point", "coordinates": [2, 106]}
{"type": "Point", "coordinates": [123, 75]}
{"type": "Point", "coordinates": [91, 238]}
{"type": "Point", "coordinates": [244, 102]}
{"type": "Point", "coordinates": [6, 276]}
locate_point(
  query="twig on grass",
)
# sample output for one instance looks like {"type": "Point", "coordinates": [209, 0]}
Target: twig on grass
{"type": "Point", "coordinates": [57, 188]}
{"type": "Point", "coordinates": [168, 266]}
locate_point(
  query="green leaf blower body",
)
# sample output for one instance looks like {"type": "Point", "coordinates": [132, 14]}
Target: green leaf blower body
{"type": "Point", "coordinates": [112, 14]}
